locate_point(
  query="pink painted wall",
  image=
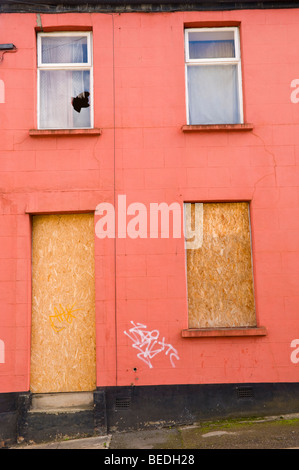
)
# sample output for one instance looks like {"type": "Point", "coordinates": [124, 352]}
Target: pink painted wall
{"type": "Point", "coordinates": [155, 162]}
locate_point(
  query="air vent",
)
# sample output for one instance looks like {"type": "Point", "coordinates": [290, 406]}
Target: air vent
{"type": "Point", "coordinates": [244, 392]}
{"type": "Point", "coordinates": [122, 403]}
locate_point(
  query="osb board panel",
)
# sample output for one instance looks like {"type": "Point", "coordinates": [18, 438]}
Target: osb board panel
{"type": "Point", "coordinates": [219, 272]}
{"type": "Point", "coordinates": [63, 304]}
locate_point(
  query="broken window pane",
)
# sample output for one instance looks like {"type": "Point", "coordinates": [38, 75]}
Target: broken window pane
{"type": "Point", "coordinates": [58, 90]}
{"type": "Point", "coordinates": [65, 80]}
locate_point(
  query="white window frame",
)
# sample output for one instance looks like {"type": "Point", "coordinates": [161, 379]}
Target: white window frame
{"type": "Point", "coordinates": [224, 61]}
{"type": "Point", "coordinates": [65, 66]}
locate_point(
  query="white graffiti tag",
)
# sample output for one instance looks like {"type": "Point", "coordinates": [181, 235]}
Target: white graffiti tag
{"type": "Point", "coordinates": [146, 342]}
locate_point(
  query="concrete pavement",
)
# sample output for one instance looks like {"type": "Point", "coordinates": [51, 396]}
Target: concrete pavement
{"type": "Point", "coordinates": [273, 432]}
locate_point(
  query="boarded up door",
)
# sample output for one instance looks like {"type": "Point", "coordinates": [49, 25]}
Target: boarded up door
{"type": "Point", "coordinates": [63, 304]}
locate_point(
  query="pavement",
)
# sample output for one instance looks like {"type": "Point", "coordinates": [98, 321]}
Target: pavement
{"type": "Point", "coordinates": [272, 432]}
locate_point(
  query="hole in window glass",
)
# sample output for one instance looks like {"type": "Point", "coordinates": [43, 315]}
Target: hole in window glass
{"type": "Point", "coordinates": [64, 99]}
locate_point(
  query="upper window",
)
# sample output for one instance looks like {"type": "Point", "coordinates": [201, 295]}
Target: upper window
{"type": "Point", "coordinates": [64, 80]}
{"type": "Point", "coordinates": [213, 74]}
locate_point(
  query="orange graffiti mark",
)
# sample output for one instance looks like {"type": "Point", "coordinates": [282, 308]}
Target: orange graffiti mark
{"type": "Point", "coordinates": [62, 315]}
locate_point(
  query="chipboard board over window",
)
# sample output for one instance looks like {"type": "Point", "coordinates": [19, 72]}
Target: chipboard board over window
{"type": "Point", "coordinates": [219, 270]}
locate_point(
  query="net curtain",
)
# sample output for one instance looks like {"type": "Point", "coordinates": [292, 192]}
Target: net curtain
{"type": "Point", "coordinates": [213, 89]}
{"type": "Point", "coordinates": [57, 87]}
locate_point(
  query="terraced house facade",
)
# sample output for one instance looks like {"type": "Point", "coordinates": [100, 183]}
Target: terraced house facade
{"type": "Point", "coordinates": [149, 213]}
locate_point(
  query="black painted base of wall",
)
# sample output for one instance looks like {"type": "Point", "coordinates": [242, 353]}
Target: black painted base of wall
{"type": "Point", "coordinates": [13, 411]}
{"type": "Point", "coordinates": [140, 407]}
{"type": "Point", "coordinates": [131, 408]}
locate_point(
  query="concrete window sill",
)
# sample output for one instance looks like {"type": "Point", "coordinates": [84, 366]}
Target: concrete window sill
{"type": "Point", "coordinates": [58, 132]}
{"type": "Point", "coordinates": [223, 332]}
{"type": "Point", "coordinates": [217, 127]}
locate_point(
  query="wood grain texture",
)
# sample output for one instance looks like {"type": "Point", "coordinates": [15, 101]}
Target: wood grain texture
{"type": "Point", "coordinates": [63, 304]}
{"type": "Point", "coordinates": [219, 273]}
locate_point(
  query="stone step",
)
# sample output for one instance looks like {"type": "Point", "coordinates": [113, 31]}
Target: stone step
{"type": "Point", "coordinates": [61, 423]}
{"type": "Point", "coordinates": [62, 401]}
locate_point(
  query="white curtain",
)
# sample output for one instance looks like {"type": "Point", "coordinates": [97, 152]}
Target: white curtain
{"type": "Point", "coordinates": [57, 87]}
{"type": "Point", "coordinates": [213, 94]}
{"type": "Point", "coordinates": [64, 49]}
{"type": "Point", "coordinates": [212, 89]}
{"type": "Point", "coordinates": [211, 49]}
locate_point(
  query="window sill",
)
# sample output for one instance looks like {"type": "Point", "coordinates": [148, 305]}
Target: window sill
{"type": "Point", "coordinates": [223, 332]}
{"type": "Point", "coordinates": [57, 132]}
{"type": "Point", "coordinates": [217, 127]}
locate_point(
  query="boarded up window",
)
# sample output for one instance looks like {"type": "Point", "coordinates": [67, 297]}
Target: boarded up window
{"type": "Point", "coordinates": [219, 271]}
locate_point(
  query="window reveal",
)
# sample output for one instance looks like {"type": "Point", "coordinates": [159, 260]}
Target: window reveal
{"type": "Point", "coordinates": [219, 272]}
